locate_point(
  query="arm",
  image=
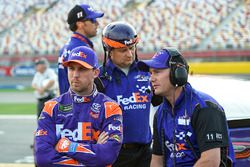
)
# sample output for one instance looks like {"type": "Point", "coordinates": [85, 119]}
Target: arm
{"type": "Point", "coordinates": [63, 82]}
{"type": "Point", "coordinates": [48, 85]}
{"type": "Point", "coordinates": [105, 151]}
{"type": "Point", "coordinates": [209, 158]}
{"type": "Point", "coordinates": [210, 127]}
{"type": "Point", "coordinates": [45, 140]}
{"type": "Point", "coordinates": [157, 161]}
{"type": "Point", "coordinates": [35, 86]}
{"type": "Point", "coordinates": [157, 157]}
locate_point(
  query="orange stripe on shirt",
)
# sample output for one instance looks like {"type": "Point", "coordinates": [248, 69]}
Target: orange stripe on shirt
{"type": "Point", "coordinates": [49, 106]}
{"type": "Point", "coordinates": [81, 148]}
{"type": "Point", "coordinates": [112, 108]}
{"type": "Point", "coordinates": [69, 162]}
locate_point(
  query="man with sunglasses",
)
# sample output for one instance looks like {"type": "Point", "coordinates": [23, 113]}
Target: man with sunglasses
{"type": "Point", "coordinates": [82, 20]}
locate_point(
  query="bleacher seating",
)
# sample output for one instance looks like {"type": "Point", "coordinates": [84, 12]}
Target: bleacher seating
{"type": "Point", "coordinates": [35, 27]}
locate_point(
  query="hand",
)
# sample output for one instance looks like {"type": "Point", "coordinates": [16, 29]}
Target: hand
{"type": "Point", "coordinates": [103, 137]}
{"type": "Point", "coordinates": [63, 145]}
{"type": "Point", "coordinates": [40, 90]}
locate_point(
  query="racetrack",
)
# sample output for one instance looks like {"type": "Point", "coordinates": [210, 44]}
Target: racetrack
{"type": "Point", "coordinates": [16, 133]}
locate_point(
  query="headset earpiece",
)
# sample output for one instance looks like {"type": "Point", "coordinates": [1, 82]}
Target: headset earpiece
{"type": "Point", "coordinates": [178, 67]}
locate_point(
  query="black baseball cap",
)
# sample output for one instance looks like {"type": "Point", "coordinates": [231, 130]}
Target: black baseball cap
{"type": "Point", "coordinates": [83, 11]}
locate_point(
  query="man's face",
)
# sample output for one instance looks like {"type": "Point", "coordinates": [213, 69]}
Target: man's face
{"type": "Point", "coordinates": [160, 81]}
{"type": "Point", "coordinates": [81, 79]}
{"type": "Point", "coordinates": [40, 68]}
{"type": "Point", "coordinates": [88, 27]}
{"type": "Point", "coordinates": [123, 57]}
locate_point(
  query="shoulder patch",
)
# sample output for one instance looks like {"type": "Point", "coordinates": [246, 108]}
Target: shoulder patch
{"type": "Point", "coordinates": [112, 108]}
{"type": "Point", "coordinates": [49, 106]}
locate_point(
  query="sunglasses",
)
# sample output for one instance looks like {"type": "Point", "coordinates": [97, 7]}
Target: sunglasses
{"type": "Point", "coordinates": [91, 20]}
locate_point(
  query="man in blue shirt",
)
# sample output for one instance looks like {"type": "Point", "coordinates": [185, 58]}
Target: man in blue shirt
{"type": "Point", "coordinates": [190, 127]}
{"type": "Point", "coordinates": [130, 87]}
{"type": "Point", "coordinates": [81, 127]}
{"type": "Point", "coordinates": [82, 20]}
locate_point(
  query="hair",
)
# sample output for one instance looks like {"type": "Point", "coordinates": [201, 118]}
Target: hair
{"type": "Point", "coordinates": [73, 27]}
{"type": "Point", "coordinates": [42, 60]}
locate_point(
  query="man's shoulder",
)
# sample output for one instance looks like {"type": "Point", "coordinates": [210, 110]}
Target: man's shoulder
{"type": "Point", "coordinates": [110, 106]}
{"type": "Point", "coordinates": [75, 43]}
{"type": "Point", "coordinates": [104, 98]}
{"type": "Point", "coordinates": [203, 98]}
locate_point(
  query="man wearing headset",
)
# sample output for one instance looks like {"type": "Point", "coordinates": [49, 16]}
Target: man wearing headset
{"type": "Point", "coordinates": [190, 127]}
{"type": "Point", "coordinates": [130, 87]}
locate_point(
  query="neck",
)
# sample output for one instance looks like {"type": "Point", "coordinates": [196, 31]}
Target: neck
{"type": "Point", "coordinates": [173, 95]}
{"type": "Point", "coordinates": [82, 33]}
{"type": "Point", "coordinates": [85, 93]}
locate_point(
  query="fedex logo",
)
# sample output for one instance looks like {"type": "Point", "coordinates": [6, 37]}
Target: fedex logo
{"type": "Point", "coordinates": [128, 42]}
{"type": "Point", "coordinates": [112, 127]}
{"type": "Point", "coordinates": [83, 131]}
{"type": "Point", "coordinates": [91, 9]}
{"type": "Point", "coordinates": [81, 54]}
{"type": "Point", "coordinates": [135, 98]}
{"type": "Point", "coordinates": [177, 147]}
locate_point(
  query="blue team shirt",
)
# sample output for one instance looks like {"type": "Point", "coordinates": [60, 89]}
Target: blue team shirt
{"type": "Point", "coordinates": [75, 41]}
{"type": "Point", "coordinates": [132, 92]}
{"type": "Point", "coordinates": [178, 126]}
{"type": "Point", "coordinates": [80, 119]}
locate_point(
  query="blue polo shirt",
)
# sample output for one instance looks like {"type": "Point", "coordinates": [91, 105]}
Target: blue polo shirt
{"type": "Point", "coordinates": [132, 92]}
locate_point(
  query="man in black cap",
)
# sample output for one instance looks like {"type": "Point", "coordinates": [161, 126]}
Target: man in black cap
{"type": "Point", "coordinates": [82, 20]}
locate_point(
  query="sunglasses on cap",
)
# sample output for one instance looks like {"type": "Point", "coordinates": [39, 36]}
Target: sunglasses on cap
{"type": "Point", "coordinates": [91, 20]}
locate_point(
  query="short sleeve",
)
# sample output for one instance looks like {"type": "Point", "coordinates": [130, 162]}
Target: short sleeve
{"type": "Point", "coordinates": [210, 127]}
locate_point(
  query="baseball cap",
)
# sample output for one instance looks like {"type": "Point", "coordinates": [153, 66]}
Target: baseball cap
{"type": "Point", "coordinates": [158, 61]}
{"type": "Point", "coordinates": [83, 11]}
{"type": "Point", "coordinates": [84, 56]}
{"type": "Point", "coordinates": [41, 61]}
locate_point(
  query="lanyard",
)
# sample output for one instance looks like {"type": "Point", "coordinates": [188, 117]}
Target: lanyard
{"type": "Point", "coordinates": [83, 40]}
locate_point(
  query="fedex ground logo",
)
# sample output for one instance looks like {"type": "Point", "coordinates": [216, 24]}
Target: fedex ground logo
{"type": "Point", "coordinates": [135, 98]}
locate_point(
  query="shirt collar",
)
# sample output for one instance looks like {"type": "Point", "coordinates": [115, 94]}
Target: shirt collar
{"type": "Point", "coordinates": [83, 99]}
{"type": "Point", "coordinates": [83, 39]}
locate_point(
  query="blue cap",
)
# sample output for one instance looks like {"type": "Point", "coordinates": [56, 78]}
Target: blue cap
{"type": "Point", "coordinates": [83, 11]}
{"type": "Point", "coordinates": [84, 56]}
{"type": "Point", "coordinates": [158, 61]}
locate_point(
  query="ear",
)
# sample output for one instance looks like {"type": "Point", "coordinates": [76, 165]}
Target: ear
{"type": "Point", "coordinates": [80, 24]}
{"type": "Point", "coordinates": [96, 72]}
{"type": "Point", "coordinates": [111, 54]}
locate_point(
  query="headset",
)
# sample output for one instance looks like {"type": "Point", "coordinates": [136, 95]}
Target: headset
{"type": "Point", "coordinates": [178, 67]}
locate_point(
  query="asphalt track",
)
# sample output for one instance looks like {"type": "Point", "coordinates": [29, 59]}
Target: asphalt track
{"type": "Point", "coordinates": [16, 133]}
{"type": "Point", "coordinates": [16, 136]}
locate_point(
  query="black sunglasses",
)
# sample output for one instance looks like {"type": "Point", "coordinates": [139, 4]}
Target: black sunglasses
{"type": "Point", "coordinates": [91, 20]}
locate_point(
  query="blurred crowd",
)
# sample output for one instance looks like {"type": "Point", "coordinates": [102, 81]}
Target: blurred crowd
{"type": "Point", "coordinates": [39, 27]}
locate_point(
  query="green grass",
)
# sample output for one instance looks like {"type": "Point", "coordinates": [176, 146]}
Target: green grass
{"type": "Point", "coordinates": [28, 89]}
{"type": "Point", "coordinates": [18, 108]}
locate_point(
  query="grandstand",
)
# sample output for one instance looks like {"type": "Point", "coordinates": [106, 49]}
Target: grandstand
{"type": "Point", "coordinates": [38, 27]}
